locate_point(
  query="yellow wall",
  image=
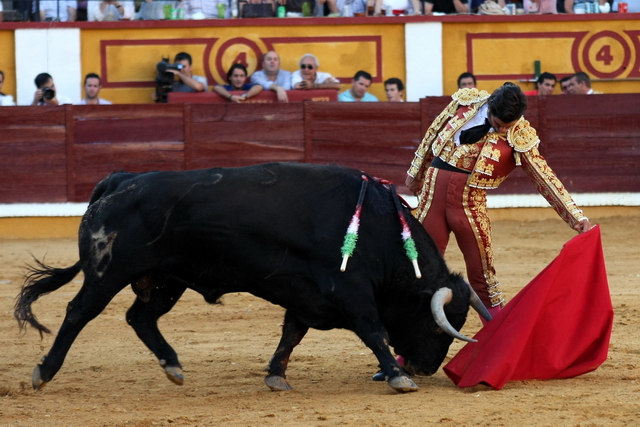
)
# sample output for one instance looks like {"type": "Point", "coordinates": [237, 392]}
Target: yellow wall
{"type": "Point", "coordinates": [557, 45]}
{"type": "Point", "coordinates": [8, 62]}
{"type": "Point", "coordinates": [131, 55]}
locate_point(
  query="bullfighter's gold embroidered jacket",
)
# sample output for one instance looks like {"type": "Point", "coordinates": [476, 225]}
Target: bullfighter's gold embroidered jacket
{"type": "Point", "coordinates": [494, 157]}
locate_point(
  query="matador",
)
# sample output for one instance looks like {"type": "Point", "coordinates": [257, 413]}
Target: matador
{"type": "Point", "coordinates": [471, 147]}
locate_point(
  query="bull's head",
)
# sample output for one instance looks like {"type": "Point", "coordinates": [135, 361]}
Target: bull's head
{"type": "Point", "coordinates": [448, 307]}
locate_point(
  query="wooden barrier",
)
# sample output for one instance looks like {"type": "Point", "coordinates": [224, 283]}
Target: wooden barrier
{"type": "Point", "coordinates": [264, 97]}
{"type": "Point", "coordinates": [58, 154]}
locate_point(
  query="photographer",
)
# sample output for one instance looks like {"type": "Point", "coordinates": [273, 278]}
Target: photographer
{"type": "Point", "coordinates": [46, 93]}
{"type": "Point", "coordinates": [183, 69]}
{"type": "Point", "coordinates": [188, 82]}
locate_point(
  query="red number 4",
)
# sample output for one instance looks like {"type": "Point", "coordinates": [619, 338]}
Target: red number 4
{"type": "Point", "coordinates": [604, 55]}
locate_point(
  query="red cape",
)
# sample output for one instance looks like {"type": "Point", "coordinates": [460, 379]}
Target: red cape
{"type": "Point", "coordinates": [558, 326]}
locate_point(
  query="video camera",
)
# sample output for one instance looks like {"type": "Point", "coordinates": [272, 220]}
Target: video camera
{"type": "Point", "coordinates": [164, 79]}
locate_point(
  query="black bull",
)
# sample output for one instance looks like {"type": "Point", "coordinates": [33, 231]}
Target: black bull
{"type": "Point", "coordinates": [273, 230]}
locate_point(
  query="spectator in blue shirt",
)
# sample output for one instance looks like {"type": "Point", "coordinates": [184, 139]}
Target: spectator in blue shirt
{"type": "Point", "coordinates": [237, 78]}
{"type": "Point", "coordinates": [271, 77]}
{"type": "Point", "coordinates": [359, 87]}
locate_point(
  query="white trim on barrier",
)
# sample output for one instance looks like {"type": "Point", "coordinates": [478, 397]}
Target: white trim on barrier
{"type": "Point", "coordinates": [498, 201]}
{"type": "Point", "coordinates": [493, 201]}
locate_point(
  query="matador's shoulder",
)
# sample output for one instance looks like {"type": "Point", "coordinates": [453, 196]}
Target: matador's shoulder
{"type": "Point", "coordinates": [469, 96]}
{"type": "Point", "coordinates": [522, 137]}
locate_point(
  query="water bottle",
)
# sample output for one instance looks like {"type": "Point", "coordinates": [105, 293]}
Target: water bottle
{"type": "Point", "coordinates": [222, 10]}
{"type": "Point", "coordinates": [306, 9]}
{"type": "Point", "coordinates": [282, 11]}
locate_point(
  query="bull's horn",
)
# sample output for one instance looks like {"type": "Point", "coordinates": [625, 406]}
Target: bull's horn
{"type": "Point", "coordinates": [442, 297]}
{"type": "Point", "coordinates": [479, 306]}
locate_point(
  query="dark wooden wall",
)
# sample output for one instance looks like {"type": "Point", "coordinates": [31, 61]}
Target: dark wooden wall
{"type": "Point", "coordinates": [58, 154]}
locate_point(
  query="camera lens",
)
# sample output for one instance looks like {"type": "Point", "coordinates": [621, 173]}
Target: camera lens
{"type": "Point", "coordinates": [48, 93]}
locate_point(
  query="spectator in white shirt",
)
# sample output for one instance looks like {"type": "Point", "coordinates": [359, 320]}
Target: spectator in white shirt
{"type": "Point", "coordinates": [308, 77]}
{"type": "Point", "coordinates": [111, 10]}
{"type": "Point", "coordinates": [92, 86]}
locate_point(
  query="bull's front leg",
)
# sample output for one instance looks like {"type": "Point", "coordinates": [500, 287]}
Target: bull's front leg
{"type": "Point", "coordinates": [156, 297]}
{"type": "Point", "coordinates": [374, 336]}
{"type": "Point", "coordinates": [292, 333]}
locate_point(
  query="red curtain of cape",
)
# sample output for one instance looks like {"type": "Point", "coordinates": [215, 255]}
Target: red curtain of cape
{"type": "Point", "coordinates": [558, 326]}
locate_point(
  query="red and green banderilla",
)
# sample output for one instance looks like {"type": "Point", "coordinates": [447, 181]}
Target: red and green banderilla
{"type": "Point", "coordinates": [351, 237]}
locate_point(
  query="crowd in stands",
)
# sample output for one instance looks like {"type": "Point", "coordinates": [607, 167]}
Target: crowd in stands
{"type": "Point", "coordinates": [272, 78]}
{"type": "Point", "coordinates": [574, 84]}
{"type": "Point", "coordinates": [125, 10]}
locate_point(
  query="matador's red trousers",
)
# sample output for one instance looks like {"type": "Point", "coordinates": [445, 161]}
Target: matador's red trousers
{"type": "Point", "coordinates": [453, 206]}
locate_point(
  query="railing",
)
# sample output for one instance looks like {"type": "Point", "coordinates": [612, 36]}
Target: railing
{"type": "Point", "coordinates": [58, 154]}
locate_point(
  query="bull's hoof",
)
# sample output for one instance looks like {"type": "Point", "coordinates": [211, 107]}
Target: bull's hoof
{"type": "Point", "coordinates": [36, 379]}
{"type": "Point", "coordinates": [175, 375]}
{"type": "Point", "coordinates": [276, 383]}
{"type": "Point", "coordinates": [402, 384]}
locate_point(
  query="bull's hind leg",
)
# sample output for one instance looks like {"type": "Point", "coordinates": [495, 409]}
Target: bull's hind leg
{"type": "Point", "coordinates": [156, 297]}
{"type": "Point", "coordinates": [292, 333]}
{"type": "Point", "coordinates": [84, 307]}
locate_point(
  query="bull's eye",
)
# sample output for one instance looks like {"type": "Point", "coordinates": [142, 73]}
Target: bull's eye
{"type": "Point", "coordinates": [439, 331]}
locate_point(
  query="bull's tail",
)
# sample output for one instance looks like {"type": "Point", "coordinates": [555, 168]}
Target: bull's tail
{"type": "Point", "coordinates": [40, 280]}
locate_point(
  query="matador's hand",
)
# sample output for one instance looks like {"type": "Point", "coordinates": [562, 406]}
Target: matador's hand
{"type": "Point", "coordinates": [414, 185]}
{"type": "Point", "coordinates": [582, 226]}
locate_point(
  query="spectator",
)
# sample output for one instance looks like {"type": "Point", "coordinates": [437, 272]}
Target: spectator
{"type": "Point", "coordinates": [206, 9]}
{"type": "Point", "coordinates": [271, 77]}
{"type": "Point", "coordinates": [408, 7]}
{"type": "Point", "coordinates": [359, 87]}
{"type": "Point", "coordinates": [546, 6]}
{"type": "Point", "coordinates": [333, 7]}
{"type": "Point", "coordinates": [81, 10]}
{"type": "Point", "coordinates": [545, 84]}
{"type": "Point", "coordinates": [111, 10]}
{"type": "Point", "coordinates": [5, 100]}
{"type": "Point", "coordinates": [308, 77]}
{"type": "Point", "coordinates": [187, 81]}
{"type": "Point", "coordinates": [28, 9]}
{"type": "Point", "coordinates": [58, 10]}
{"type": "Point", "coordinates": [569, 5]}
{"type": "Point", "coordinates": [632, 5]}
{"type": "Point", "coordinates": [394, 89]}
{"type": "Point", "coordinates": [237, 79]}
{"type": "Point", "coordinates": [345, 8]}
{"type": "Point", "coordinates": [466, 80]}
{"type": "Point", "coordinates": [46, 93]}
{"type": "Point", "coordinates": [580, 84]}
{"type": "Point", "coordinates": [445, 6]}
{"type": "Point", "coordinates": [92, 86]}
{"type": "Point", "coordinates": [564, 85]}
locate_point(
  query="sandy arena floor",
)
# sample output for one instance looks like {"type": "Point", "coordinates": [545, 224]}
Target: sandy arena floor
{"type": "Point", "coordinates": [110, 379]}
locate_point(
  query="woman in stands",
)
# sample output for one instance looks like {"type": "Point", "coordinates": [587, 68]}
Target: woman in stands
{"type": "Point", "coordinates": [238, 81]}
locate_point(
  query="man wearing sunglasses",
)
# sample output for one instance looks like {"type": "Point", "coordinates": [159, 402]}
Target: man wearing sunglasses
{"type": "Point", "coordinates": [271, 77]}
{"type": "Point", "coordinates": [309, 78]}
